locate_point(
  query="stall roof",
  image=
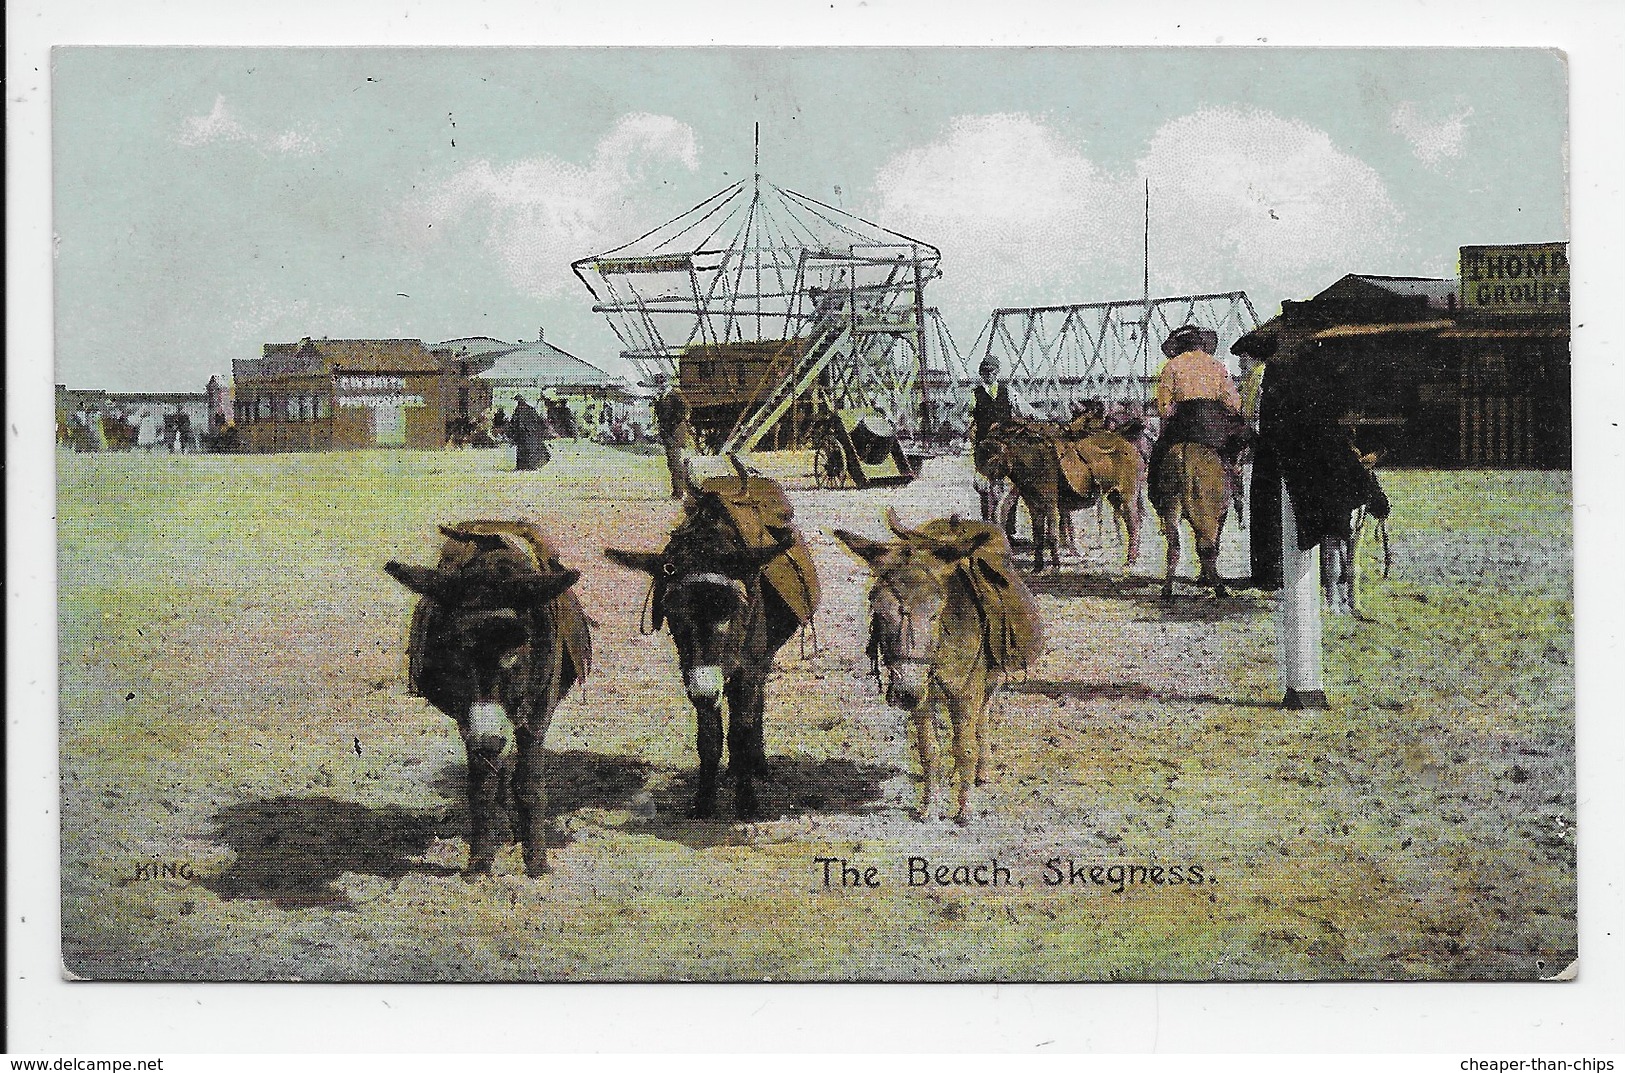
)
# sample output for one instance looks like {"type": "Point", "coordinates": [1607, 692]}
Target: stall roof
{"type": "Point", "coordinates": [1553, 332]}
{"type": "Point", "coordinates": [545, 365]}
{"type": "Point", "coordinates": [1351, 331]}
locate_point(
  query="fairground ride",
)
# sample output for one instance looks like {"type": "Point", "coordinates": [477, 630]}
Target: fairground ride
{"type": "Point", "coordinates": [771, 309]}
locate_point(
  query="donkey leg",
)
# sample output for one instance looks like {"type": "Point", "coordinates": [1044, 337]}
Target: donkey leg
{"type": "Point", "coordinates": [965, 713]}
{"type": "Point", "coordinates": [984, 736]}
{"type": "Point", "coordinates": [925, 743]}
{"type": "Point", "coordinates": [1057, 527]}
{"type": "Point", "coordinates": [745, 702]}
{"type": "Point", "coordinates": [530, 802]}
{"type": "Point", "coordinates": [1170, 532]}
{"type": "Point", "coordinates": [486, 760]}
{"type": "Point", "coordinates": [1209, 554]}
{"type": "Point", "coordinates": [709, 734]}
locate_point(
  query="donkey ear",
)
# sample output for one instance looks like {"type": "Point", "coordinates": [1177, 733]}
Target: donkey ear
{"type": "Point", "coordinates": [895, 524]}
{"type": "Point", "coordinates": [420, 579]}
{"type": "Point", "coordinates": [861, 546]}
{"type": "Point", "coordinates": [647, 561]}
{"type": "Point", "coordinates": [533, 590]}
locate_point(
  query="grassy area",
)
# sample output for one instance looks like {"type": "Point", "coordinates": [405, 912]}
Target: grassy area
{"type": "Point", "coordinates": [233, 702]}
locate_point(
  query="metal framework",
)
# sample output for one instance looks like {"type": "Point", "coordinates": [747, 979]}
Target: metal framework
{"type": "Point", "coordinates": [1058, 355]}
{"type": "Point", "coordinates": [755, 263]}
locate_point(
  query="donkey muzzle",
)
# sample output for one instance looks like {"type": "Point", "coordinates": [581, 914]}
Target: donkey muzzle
{"type": "Point", "coordinates": [905, 685]}
{"type": "Point", "coordinates": [490, 731]}
{"type": "Point", "coordinates": [704, 683]}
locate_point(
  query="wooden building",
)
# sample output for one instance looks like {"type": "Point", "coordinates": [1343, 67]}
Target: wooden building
{"type": "Point", "coordinates": [723, 382]}
{"type": "Point", "coordinates": [1471, 371]}
{"type": "Point", "coordinates": [323, 394]}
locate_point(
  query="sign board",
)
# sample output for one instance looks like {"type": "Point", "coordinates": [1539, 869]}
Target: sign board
{"type": "Point", "coordinates": [1515, 280]}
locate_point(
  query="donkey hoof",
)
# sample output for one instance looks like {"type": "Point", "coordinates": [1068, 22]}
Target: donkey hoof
{"type": "Point", "coordinates": [1167, 592]}
{"type": "Point", "coordinates": [537, 867]}
{"type": "Point", "coordinates": [962, 819]}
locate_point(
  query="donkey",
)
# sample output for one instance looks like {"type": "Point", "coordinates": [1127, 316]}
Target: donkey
{"type": "Point", "coordinates": [713, 588]}
{"type": "Point", "coordinates": [949, 619]}
{"type": "Point", "coordinates": [1030, 455]}
{"type": "Point", "coordinates": [1191, 483]}
{"type": "Point", "coordinates": [1339, 561]}
{"type": "Point", "coordinates": [497, 640]}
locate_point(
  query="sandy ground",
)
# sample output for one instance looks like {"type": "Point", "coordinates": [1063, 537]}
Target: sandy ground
{"type": "Point", "coordinates": [249, 793]}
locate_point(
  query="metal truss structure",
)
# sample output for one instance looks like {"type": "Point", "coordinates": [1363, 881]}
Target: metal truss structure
{"type": "Point", "coordinates": [756, 263]}
{"type": "Point", "coordinates": [1057, 355]}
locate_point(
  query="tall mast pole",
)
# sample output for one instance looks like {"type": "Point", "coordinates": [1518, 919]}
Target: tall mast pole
{"type": "Point", "coordinates": [755, 204]}
{"type": "Point", "coordinates": [1145, 323]}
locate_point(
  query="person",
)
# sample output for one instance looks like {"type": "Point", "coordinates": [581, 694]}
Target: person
{"type": "Point", "coordinates": [215, 394]}
{"type": "Point", "coordinates": [1196, 401]}
{"type": "Point", "coordinates": [149, 431]}
{"type": "Point", "coordinates": [993, 403]}
{"type": "Point", "coordinates": [528, 432]}
{"type": "Point", "coordinates": [674, 423]}
{"type": "Point", "coordinates": [1252, 381]}
{"type": "Point", "coordinates": [560, 419]}
{"type": "Point", "coordinates": [1306, 484]}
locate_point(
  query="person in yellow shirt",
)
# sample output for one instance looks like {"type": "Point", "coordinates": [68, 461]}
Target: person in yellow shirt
{"type": "Point", "coordinates": [1197, 399]}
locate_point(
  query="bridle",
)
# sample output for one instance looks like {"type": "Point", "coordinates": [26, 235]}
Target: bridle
{"type": "Point", "coordinates": [875, 649]}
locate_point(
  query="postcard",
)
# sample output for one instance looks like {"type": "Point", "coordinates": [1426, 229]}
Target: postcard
{"type": "Point", "coordinates": [814, 514]}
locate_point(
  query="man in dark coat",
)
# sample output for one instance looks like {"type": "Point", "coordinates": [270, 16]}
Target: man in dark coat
{"type": "Point", "coordinates": [1302, 440]}
{"type": "Point", "coordinates": [673, 422]}
{"type": "Point", "coordinates": [1307, 482]}
{"type": "Point", "coordinates": [990, 402]}
{"type": "Point", "coordinates": [528, 433]}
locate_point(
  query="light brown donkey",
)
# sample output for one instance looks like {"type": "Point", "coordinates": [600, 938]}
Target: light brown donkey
{"type": "Point", "coordinates": [949, 620]}
{"type": "Point", "coordinates": [1191, 484]}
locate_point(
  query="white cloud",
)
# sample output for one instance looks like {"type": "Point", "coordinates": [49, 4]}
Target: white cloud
{"type": "Point", "coordinates": [1007, 199]}
{"type": "Point", "coordinates": [1432, 142]}
{"type": "Point", "coordinates": [220, 125]}
{"type": "Point", "coordinates": [1247, 199]}
{"type": "Point", "coordinates": [1239, 200]}
{"type": "Point", "coordinates": [540, 214]}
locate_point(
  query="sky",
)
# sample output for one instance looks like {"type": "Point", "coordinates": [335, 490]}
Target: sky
{"type": "Point", "coordinates": [210, 200]}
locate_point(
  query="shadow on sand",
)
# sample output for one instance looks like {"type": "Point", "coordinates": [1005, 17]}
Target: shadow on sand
{"type": "Point", "coordinates": [793, 786]}
{"type": "Point", "coordinates": [1191, 603]}
{"type": "Point", "coordinates": [1125, 691]}
{"type": "Point", "coordinates": [290, 850]}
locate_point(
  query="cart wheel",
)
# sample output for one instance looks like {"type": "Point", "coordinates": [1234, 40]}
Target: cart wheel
{"type": "Point", "coordinates": [829, 462]}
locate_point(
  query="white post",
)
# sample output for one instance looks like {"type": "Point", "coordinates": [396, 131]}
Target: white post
{"type": "Point", "coordinates": [1297, 617]}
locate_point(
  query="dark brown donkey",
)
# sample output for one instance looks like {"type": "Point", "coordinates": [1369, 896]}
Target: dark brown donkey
{"type": "Point", "coordinates": [497, 640]}
{"type": "Point", "coordinates": [733, 584]}
{"type": "Point", "coordinates": [1057, 471]}
{"type": "Point", "coordinates": [949, 620]}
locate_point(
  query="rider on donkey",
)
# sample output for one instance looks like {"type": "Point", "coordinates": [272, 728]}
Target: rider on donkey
{"type": "Point", "coordinates": [992, 403]}
{"type": "Point", "coordinates": [1197, 401]}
